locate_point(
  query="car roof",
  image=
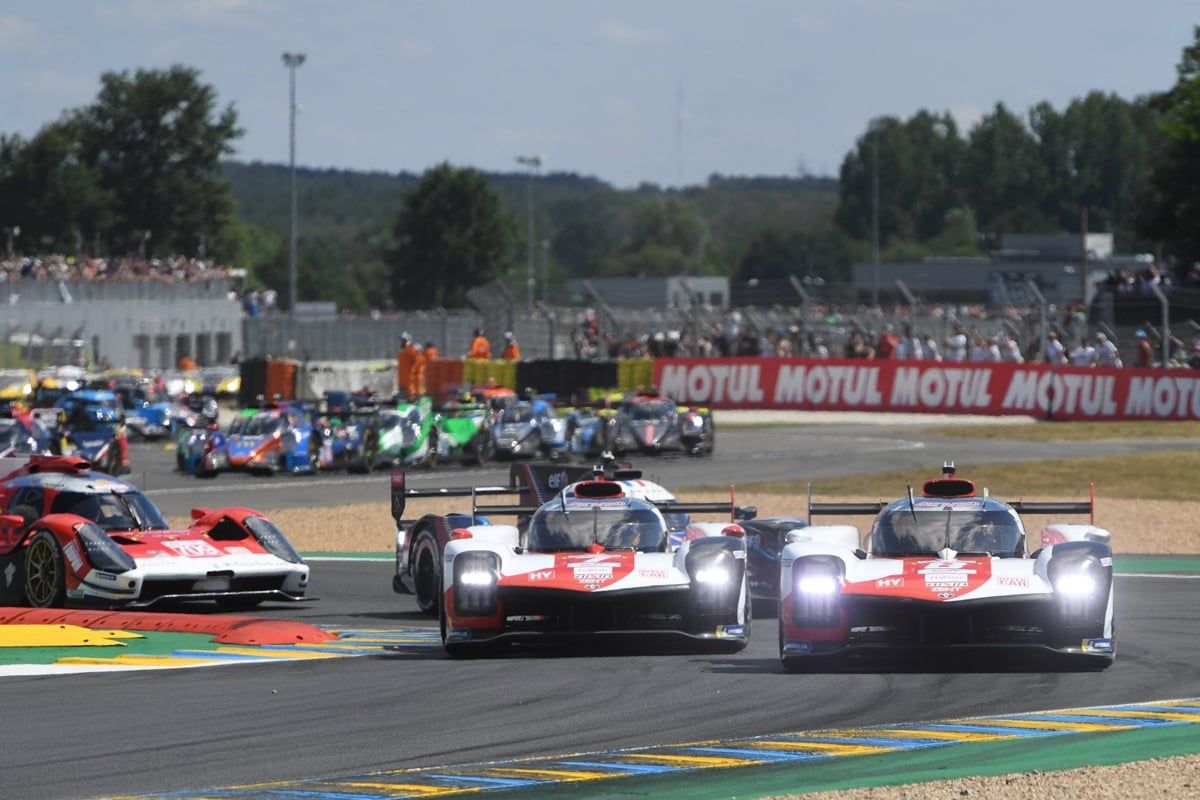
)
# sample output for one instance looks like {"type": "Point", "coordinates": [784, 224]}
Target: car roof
{"type": "Point", "coordinates": [622, 503]}
{"type": "Point", "coordinates": [83, 482]}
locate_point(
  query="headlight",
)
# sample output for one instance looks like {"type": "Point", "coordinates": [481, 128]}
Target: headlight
{"type": "Point", "coordinates": [102, 552]}
{"type": "Point", "coordinates": [272, 539]}
{"type": "Point", "coordinates": [718, 575]}
{"type": "Point", "coordinates": [817, 584]}
{"type": "Point", "coordinates": [475, 579]}
{"type": "Point", "coordinates": [1076, 584]}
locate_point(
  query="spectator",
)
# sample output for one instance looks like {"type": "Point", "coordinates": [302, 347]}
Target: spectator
{"type": "Point", "coordinates": [1083, 355]}
{"type": "Point", "coordinates": [887, 344]}
{"type": "Point", "coordinates": [511, 351]}
{"type": "Point", "coordinates": [1144, 356]}
{"type": "Point", "coordinates": [480, 347]}
{"type": "Point", "coordinates": [186, 363]}
{"type": "Point", "coordinates": [1055, 353]}
{"type": "Point", "coordinates": [1010, 351]}
{"type": "Point", "coordinates": [1194, 359]}
{"type": "Point", "coordinates": [929, 348]}
{"type": "Point", "coordinates": [1107, 354]}
{"type": "Point", "coordinates": [956, 345]}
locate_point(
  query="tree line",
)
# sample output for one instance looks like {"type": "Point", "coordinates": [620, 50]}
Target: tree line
{"type": "Point", "coordinates": [145, 167]}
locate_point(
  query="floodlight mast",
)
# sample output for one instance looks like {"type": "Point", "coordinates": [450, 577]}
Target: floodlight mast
{"type": "Point", "coordinates": [291, 61]}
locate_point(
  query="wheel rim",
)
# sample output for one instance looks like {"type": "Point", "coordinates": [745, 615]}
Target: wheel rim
{"type": "Point", "coordinates": [41, 573]}
{"type": "Point", "coordinates": [432, 456]}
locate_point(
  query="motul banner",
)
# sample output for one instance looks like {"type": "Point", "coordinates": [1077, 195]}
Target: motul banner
{"type": "Point", "coordinates": [938, 388]}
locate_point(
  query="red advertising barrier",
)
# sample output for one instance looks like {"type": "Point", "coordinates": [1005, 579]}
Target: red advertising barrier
{"type": "Point", "coordinates": [1076, 393]}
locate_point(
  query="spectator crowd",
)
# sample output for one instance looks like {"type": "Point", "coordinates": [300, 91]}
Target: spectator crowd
{"type": "Point", "coordinates": [172, 269]}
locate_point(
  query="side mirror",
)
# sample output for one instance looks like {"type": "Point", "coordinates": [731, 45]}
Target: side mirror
{"type": "Point", "coordinates": [12, 521]}
{"type": "Point", "coordinates": [745, 513]}
{"type": "Point", "coordinates": [736, 531]}
{"type": "Point", "coordinates": [200, 513]}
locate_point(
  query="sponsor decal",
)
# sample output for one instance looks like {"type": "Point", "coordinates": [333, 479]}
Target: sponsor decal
{"type": "Point", "coordinates": [1106, 561]}
{"type": "Point", "coordinates": [557, 480]}
{"type": "Point", "coordinates": [988, 389]}
{"type": "Point", "coordinates": [9, 572]}
{"type": "Point", "coordinates": [946, 575]}
{"type": "Point", "coordinates": [731, 631]}
{"type": "Point", "coordinates": [894, 582]}
{"type": "Point", "coordinates": [1013, 581]}
{"type": "Point", "coordinates": [238, 550]}
{"type": "Point", "coordinates": [459, 635]}
{"type": "Point", "coordinates": [192, 548]}
{"type": "Point", "coordinates": [103, 576]}
{"type": "Point", "coordinates": [593, 572]}
{"type": "Point", "coordinates": [800, 648]}
{"type": "Point", "coordinates": [655, 574]}
{"type": "Point", "coordinates": [1097, 645]}
{"type": "Point", "coordinates": [71, 551]}
{"type": "Point", "coordinates": [541, 575]}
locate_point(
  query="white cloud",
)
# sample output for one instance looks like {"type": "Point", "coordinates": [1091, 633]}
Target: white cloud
{"type": "Point", "coordinates": [49, 81]}
{"type": "Point", "coordinates": [18, 35]}
{"type": "Point", "coordinates": [413, 49]}
{"type": "Point", "coordinates": [161, 13]}
{"type": "Point", "coordinates": [611, 30]}
{"type": "Point", "coordinates": [966, 117]}
{"type": "Point", "coordinates": [807, 23]}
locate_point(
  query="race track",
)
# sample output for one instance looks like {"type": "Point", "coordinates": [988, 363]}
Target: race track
{"type": "Point", "coordinates": [137, 732]}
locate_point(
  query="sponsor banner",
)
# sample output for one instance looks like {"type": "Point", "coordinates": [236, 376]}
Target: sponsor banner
{"type": "Point", "coordinates": [1074, 393]}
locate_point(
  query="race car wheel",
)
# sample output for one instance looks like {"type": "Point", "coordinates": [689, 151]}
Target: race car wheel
{"type": "Point", "coordinates": [484, 448]}
{"type": "Point", "coordinates": [370, 447]}
{"type": "Point", "coordinates": [431, 455]}
{"type": "Point", "coordinates": [426, 580]}
{"type": "Point", "coordinates": [314, 454]}
{"type": "Point", "coordinates": [45, 578]}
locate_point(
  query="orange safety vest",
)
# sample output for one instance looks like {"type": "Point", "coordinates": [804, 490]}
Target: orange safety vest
{"type": "Point", "coordinates": [407, 364]}
{"type": "Point", "coordinates": [511, 352]}
{"type": "Point", "coordinates": [480, 348]}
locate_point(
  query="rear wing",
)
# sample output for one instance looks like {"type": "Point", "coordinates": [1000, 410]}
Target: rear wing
{"type": "Point", "coordinates": [534, 485]}
{"type": "Point", "coordinates": [1020, 506]}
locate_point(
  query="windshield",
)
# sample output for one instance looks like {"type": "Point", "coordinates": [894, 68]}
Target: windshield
{"type": "Point", "coordinates": [615, 528]}
{"type": "Point", "coordinates": [389, 420]}
{"type": "Point", "coordinates": [652, 411]}
{"type": "Point", "coordinates": [904, 532]}
{"type": "Point", "coordinates": [514, 415]}
{"type": "Point", "coordinates": [112, 512]}
{"type": "Point", "coordinates": [263, 425]}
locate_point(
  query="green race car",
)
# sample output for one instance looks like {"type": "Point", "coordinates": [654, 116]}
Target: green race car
{"type": "Point", "coordinates": [464, 433]}
{"type": "Point", "coordinates": [404, 435]}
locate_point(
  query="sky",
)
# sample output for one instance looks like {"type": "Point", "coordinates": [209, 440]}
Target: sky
{"type": "Point", "coordinates": [666, 92]}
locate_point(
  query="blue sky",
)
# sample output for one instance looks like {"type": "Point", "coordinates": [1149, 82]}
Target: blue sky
{"type": "Point", "coordinates": [629, 92]}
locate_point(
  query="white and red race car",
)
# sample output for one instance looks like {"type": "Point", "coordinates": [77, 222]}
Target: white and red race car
{"type": "Point", "coordinates": [949, 569]}
{"type": "Point", "coordinates": [597, 558]}
{"type": "Point", "coordinates": [72, 536]}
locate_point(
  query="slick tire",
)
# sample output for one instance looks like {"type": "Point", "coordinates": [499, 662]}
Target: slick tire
{"type": "Point", "coordinates": [45, 578]}
{"type": "Point", "coordinates": [426, 576]}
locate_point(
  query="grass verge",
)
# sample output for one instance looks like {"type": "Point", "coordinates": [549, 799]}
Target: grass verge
{"type": "Point", "coordinates": [1073, 431]}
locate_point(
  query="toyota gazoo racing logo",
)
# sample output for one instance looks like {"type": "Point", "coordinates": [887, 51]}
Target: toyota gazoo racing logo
{"type": "Point", "coordinates": [594, 570]}
{"type": "Point", "coordinates": [940, 574]}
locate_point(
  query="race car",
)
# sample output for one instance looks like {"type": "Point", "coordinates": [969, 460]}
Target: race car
{"type": "Point", "coordinates": [276, 439]}
{"type": "Point", "coordinates": [22, 434]}
{"type": "Point", "coordinates": [149, 414]}
{"type": "Point", "coordinates": [464, 433]}
{"type": "Point", "coordinates": [16, 385]}
{"type": "Point", "coordinates": [70, 535]}
{"type": "Point", "coordinates": [948, 570]}
{"type": "Point", "coordinates": [765, 540]}
{"type": "Point", "coordinates": [649, 424]}
{"type": "Point", "coordinates": [93, 425]}
{"type": "Point", "coordinates": [588, 557]}
{"type": "Point", "coordinates": [529, 428]}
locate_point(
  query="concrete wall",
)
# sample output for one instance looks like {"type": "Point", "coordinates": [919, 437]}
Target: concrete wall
{"type": "Point", "coordinates": [151, 331]}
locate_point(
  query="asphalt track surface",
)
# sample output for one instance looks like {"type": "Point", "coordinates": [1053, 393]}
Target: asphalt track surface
{"type": "Point", "coordinates": [110, 734]}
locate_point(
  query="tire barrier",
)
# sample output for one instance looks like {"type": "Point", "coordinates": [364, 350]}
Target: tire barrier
{"type": "Point", "coordinates": [476, 372]}
{"type": "Point", "coordinates": [634, 373]}
{"type": "Point", "coordinates": [567, 378]}
{"type": "Point", "coordinates": [266, 377]}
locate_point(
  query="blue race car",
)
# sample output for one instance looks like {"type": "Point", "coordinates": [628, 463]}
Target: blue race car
{"type": "Point", "coordinates": [529, 428]}
{"type": "Point", "coordinates": [94, 427]}
{"type": "Point", "coordinates": [274, 440]}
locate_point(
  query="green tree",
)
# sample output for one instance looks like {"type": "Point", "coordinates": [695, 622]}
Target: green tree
{"type": "Point", "coordinates": [1003, 174]}
{"type": "Point", "coordinates": [1173, 210]}
{"type": "Point", "coordinates": [668, 237]}
{"type": "Point", "coordinates": [451, 234]}
{"type": "Point", "coordinates": [776, 252]}
{"type": "Point", "coordinates": [156, 138]}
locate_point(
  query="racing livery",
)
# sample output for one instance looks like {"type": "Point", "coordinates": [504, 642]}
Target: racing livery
{"type": "Point", "coordinates": [650, 424]}
{"type": "Point", "coordinates": [529, 428]}
{"type": "Point", "coordinates": [70, 535]}
{"type": "Point", "coordinates": [590, 557]}
{"type": "Point", "coordinates": [949, 569]}
{"type": "Point", "coordinates": [274, 440]}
